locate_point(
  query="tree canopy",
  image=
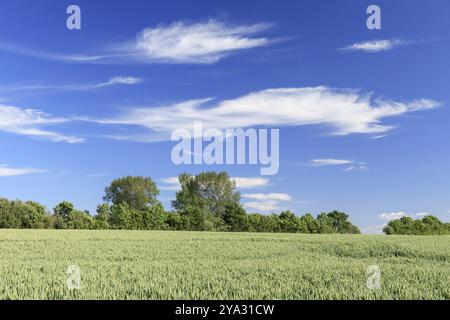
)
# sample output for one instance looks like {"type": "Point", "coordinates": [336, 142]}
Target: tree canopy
{"type": "Point", "coordinates": [206, 202]}
{"type": "Point", "coordinates": [138, 193]}
{"type": "Point", "coordinates": [429, 225]}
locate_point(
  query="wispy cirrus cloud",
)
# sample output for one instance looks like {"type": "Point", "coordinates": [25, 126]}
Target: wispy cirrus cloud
{"type": "Point", "coordinates": [119, 80]}
{"type": "Point", "coordinates": [357, 167]}
{"type": "Point", "coordinates": [32, 123]}
{"type": "Point", "coordinates": [180, 42]}
{"type": "Point", "coordinates": [344, 111]}
{"type": "Point", "coordinates": [6, 171]}
{"type": "Point", "coordinates": [374, 46]}
{"type": "Point", "coordinates": [330, 162]}
{"type": "Point", "coordinates": [350, 164]}
{"type": "Point", "coordinates": [199, 43]}
{"type": "Point", "coordinates": [34, 53]}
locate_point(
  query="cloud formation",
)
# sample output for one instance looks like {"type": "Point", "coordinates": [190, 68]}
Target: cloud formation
{"type": "Point", "coordinates": [120, 80]}
{"type": "Point", "coordinates": [6, 171]}
{"type": "Point", "coordinates": [392, 216]}
{"type": "Point", "coordinates": [176, 43]}
{"type": "Point", "coordinates": [200, 43]}
{"type": "Point", "coordinates": [31, 123]}
{"type": "Point", "coordinates": [422, 214]}
{"type": "Point", "coordinates": [344, 111]}
{"type": "Point", "coordinates": [330, 162]}
{"type": "Point", "coordinates": [170, 184]}
{"type": "Point", "coordinates": [374, 46]}
{"type": "Point", "coordinates": [250, 183]}
{"type": "Point", "coordinates": [357, 167]}
{"type": "Point", "coordinates": [265, 202]}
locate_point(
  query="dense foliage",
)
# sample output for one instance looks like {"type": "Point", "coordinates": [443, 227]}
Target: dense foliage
{"type": "Point", "coordinates": [206, 202]}
{"type": "Point", "coordinates": [429, 225]}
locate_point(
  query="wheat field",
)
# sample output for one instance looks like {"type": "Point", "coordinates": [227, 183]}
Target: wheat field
{"type": "Point", "coordinates": [188, 265]}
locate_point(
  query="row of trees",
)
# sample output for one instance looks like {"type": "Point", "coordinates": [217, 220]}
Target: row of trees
{"type": "Point", "coordinates": [206, 202]}
{"type": "Point", "coordinates": [429, 225]}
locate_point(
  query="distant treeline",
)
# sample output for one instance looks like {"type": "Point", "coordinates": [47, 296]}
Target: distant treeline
{"type": "Point", "coordinates": [429, 225]}
{"type": "Point", "coordinates": [206, 202]}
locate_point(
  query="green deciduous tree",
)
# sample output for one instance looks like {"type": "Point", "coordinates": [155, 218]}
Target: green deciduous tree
{"type": "Point", "coordinates": [138, 193]}
{"type": "Point", "coordinates": [209, 190]}
{"type": "Point", "coordinates": [429, 225]}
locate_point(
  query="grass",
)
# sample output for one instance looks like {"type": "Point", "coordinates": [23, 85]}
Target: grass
{"type": "Point", "coordinates": [184, 265]}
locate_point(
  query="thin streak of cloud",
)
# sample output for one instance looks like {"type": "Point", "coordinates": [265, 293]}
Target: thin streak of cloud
{"type": "Point", "coordinates": [119, 80]}
{"type": "Point", "coordinates": [6, 171]}
{"type": "Point", "coordinates": [330, 162]}
{"type": "Point", "coordinates": [374, 46]}
{"type": "Point", "coordinates": [356, 168]}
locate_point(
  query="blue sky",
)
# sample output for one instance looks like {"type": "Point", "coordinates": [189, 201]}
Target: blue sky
{"type": "Point", "coordinates": [376, 146]}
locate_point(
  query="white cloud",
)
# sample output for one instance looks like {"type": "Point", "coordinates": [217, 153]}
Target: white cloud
{"type": "Point", "coordinates": [398, 215]}
{"type": "Point", "coordinates": [180, 42]}
{"type": "Point", "coordinates": [170, 184]}
{"type": "Point", "coordinates": [270, 196]}
{"type": "Point", "coordinates": [266, 202]}
{"type": "Point", "coordinates": [381, 136]}
{"type": "Point", "coordinates": [392, 216]}
{"type": "Point", "coordinates": [374, 46]}
{"type": "Point", "coordinates": [74, 87]}
{"type": "Point", "coordinates": [356, 168]}
{"type": "Point", "coordinates": [250, 183]}
{"type": "Point", "coordinates": [422, 214]}
{"type": "Point", "coordinates": [51, 56]}
{"type": "Point", "coordinates": [10, 172]}
{"type": "Point", "coordinates": [345, 111]}
{"type": "Point", "coordinates": [204, 43]}
{"type": "Point", "coordinates": [263, 206]}
{"type": "Point", "coordinates": [330, 162]}
{"type": "Point", "coordinates": [30, 122]}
